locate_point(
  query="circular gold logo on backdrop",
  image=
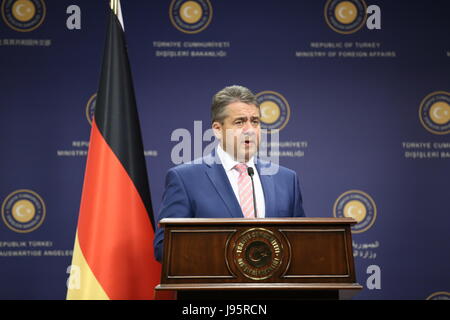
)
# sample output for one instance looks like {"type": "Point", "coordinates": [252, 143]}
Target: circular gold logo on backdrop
{"type": "Point", "coordinates": [258, 253]}
{"type": "Point", "coordinates": [190, 16]}
{"type": "Point", "coordinates": [434, 112]}
{"type": "Point", "coordinates": [23, 15]}
{"type": "Point", "coordinates": [345, 16]}
{"type": "Point", "coordinates": [90, 108]}
{"type": "Point", "coordinates": [440, 295]}
{"type": "Point", "coordinates": [275, 110]}
{"type": "Point", "coordinates": [358, 205]}
{"type": "Point", "coordinates": [23, 211]}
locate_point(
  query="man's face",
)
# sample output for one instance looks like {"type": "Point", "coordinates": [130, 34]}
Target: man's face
{"type": "Point", "coordinates": [240, 132]}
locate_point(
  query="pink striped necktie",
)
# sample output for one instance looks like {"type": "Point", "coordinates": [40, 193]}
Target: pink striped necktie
{"type": "Point", "coordinates": [245, 191]}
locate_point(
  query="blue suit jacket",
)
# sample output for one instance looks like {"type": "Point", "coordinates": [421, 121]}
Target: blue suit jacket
{"type": "Point", "coordinates": [202, 190]}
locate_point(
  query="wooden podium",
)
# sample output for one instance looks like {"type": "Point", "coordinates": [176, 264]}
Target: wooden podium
{"type": "Point", "coordinates": [283, 258]}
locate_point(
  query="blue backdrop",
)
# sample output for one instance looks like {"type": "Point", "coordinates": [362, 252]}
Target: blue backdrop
{"type": "Point", "coordinates": [361, 101]}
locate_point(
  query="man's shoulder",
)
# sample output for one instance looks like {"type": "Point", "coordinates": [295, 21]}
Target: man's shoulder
{"type": "Point", "coordinates": [272, 168]}
{"type": "Point", "coordinates": [194, 165]}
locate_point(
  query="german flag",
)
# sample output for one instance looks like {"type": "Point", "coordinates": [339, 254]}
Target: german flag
{"type": "Point", "coordinates": [113, 250]}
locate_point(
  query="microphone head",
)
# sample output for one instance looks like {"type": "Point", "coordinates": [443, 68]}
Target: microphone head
{"type": "Point", "coordinates": [250, 171]}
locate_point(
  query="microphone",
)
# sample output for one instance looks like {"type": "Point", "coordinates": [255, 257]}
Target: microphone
{"type": "Point", "coordinates": [251, 173]}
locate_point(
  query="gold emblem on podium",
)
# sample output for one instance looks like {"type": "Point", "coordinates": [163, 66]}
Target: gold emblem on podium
{"type": "Point", "coordinates": [258, 253]}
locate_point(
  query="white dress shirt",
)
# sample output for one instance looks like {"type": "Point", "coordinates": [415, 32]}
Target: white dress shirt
{"type": "Point", "coordinates": [228, 164]}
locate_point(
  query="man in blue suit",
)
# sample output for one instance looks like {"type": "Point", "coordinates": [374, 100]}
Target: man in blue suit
{"type": "Point", "coordinates": [220, 186]}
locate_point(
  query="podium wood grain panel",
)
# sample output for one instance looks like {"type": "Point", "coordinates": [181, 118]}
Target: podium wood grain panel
{"type": "Point", "coordinates": [199, 254]}
{"type": "Point", "coordinates": [319, 253]}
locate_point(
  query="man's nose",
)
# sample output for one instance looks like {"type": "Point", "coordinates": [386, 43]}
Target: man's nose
{"type": "Point", "coordinates": [248, 128]}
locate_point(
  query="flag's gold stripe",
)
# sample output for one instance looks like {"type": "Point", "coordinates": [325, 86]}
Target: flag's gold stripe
{"type": "Point", "coordinates": [86, 285]}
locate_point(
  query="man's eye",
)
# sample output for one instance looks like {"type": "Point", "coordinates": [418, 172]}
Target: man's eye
{"type": "Point", "coordinates": [239, 122]}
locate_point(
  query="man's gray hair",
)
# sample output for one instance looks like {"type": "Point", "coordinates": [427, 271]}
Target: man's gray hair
{"type": "Point", "coordinates": [227, 96]}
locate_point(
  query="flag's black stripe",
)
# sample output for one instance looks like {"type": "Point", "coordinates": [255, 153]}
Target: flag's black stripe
{"type": "Point", "coordinates": [116, 112]}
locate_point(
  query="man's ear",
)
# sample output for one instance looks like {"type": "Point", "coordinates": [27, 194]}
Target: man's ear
{"type": "Point", "coordinates": [217, 128]}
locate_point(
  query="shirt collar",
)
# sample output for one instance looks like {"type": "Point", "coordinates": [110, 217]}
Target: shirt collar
{"type": "Point", "coordinates": [228, 162]}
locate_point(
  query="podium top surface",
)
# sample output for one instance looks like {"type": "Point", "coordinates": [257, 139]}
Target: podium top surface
{"type": "Point", "coordinates": [265, 221]}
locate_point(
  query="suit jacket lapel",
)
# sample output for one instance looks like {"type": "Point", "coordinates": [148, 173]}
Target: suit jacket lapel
{"type": "Point", "coordinates": [268, 189]}
{"type": "Point", "coordinates": [219, 179]}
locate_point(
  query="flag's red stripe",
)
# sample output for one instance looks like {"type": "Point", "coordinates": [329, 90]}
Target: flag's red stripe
{"type": "Point", "coordinates": [115, 233]}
